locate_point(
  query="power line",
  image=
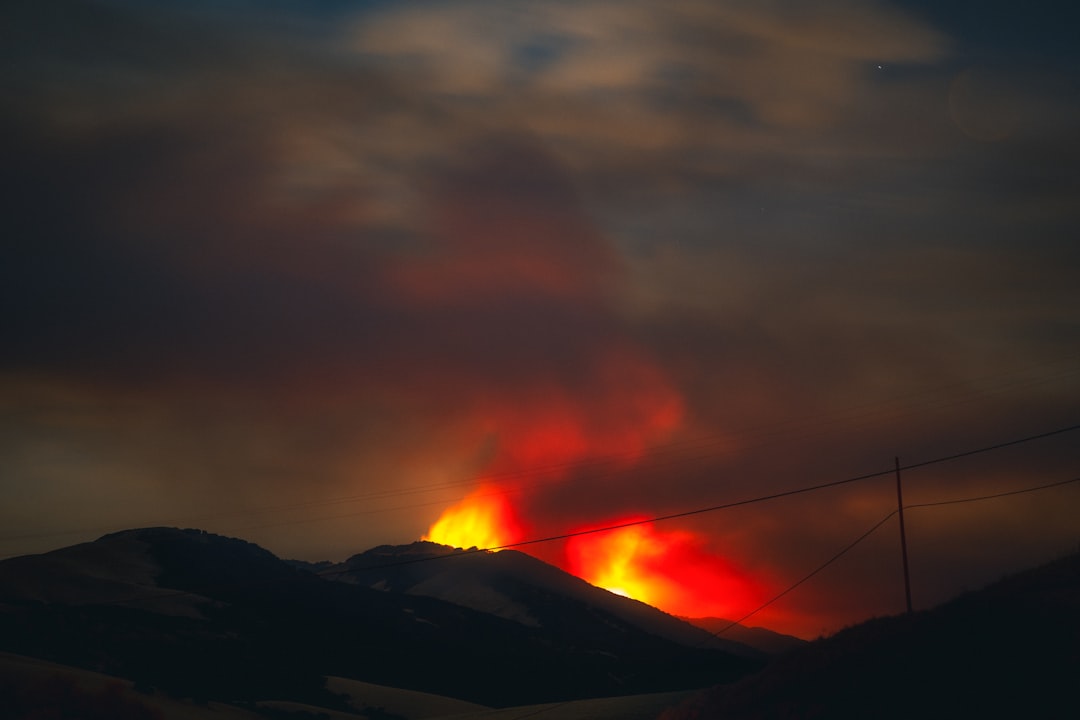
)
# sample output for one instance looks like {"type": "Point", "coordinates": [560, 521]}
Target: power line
{"type": "Point", "coordinates": [629, 523]}
{"type": "Point", "coordinates": [698, 511]}
{"type": "Point", "coordinates": [747, 616]}
{"type": "Point", "coordinates": [715, 508]}
{"type": "Point", "coordinates": [704, 442]}
{"type": "Point", "coordinates": [843, 551]}
{"type": "Point", "coordinates": [989, 448]}
{"type": "Point", "coordinates": [995, 495]}
{"type": "Point", "coordinates": [881, 522]}
{"type": "Point", "coordinates": [789, 493]}
{"type": "Point", "coordinates": [739, 503]}
{"type": "Point", "coordinates": [839, 554]}
{"type": "Point", "coordinates": [834, 558]}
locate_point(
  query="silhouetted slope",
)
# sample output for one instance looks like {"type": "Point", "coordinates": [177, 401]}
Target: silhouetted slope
{"type": "Point", "coordinates": [518, 587]}
{"type": "Point", "coordinates": [759, 638]}
{"type": "Point", "coordinates": [1011, 650]}
{"type": "Point", "coordinates": [117, 569]}
{"type": "Point", "coordinates": [263, 628]}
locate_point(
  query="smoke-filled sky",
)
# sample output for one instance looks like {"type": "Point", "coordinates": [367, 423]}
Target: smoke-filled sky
{"type": "Point", "coordinates": [311, 273]}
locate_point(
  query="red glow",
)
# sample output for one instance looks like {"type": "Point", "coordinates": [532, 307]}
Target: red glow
{"type": "Point", "coordinates": [547, 427]}
{"type": "Point", "coordinates": [671, 570]}
{"type": "Point", "coordinates": [628, 406]}
{"type": "Point", "coordinates": [483, 519]}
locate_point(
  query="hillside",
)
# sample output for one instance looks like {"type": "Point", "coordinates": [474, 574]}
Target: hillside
{"type": "Point", "coordinates": [33, 688]}
{"type": "Point", "coordinates": [759, 638]}
{"type": "Point", "coordinates": [517, 587]}
{"type": "Point", "coordinates": [206, 617]}
{"type": "Point", "coordinates": [1009, 650]}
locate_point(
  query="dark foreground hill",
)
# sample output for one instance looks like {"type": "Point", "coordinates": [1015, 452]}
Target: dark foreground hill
{"type": "Point", "coordinates": [1011, 650]}
{"type": "Point", "coordinates": [207, 617]}
{"type": "Point", "coordinates": [759, 638]}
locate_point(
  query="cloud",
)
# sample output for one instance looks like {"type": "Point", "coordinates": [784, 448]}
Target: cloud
{"type": "Point", "coordinates": [507, 223]}
{"type": "Point", "coordinates": [218, 254]}
{"type": "Point", "coordinates": [779, 64]}
{"type": "Point", "coordinates": [345, 262]}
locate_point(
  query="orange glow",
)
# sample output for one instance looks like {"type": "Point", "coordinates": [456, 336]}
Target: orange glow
{"type": "Point", "coordinates": [629, 407]}
{"type": "Point", "coordinates": [543, 430]}
{"type": "Point", "coordinates": [669, 570]}
{"type": "Point", "coordinates": [484, 519]}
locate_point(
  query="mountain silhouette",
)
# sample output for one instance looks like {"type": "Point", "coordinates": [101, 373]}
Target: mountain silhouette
{"type": "Point", "coordinates": [214, 618]}
{"type": "Point", "coordinates": [518, 587]}
{"type": "Point", "coordinates": [197, 617]}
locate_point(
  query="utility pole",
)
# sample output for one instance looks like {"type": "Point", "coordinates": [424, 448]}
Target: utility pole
{"type": "Point", "coordinates": [903, 536]}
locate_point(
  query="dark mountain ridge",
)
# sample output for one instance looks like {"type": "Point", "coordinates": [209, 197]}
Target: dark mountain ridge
{"type": "Point", "coordinates": [515, 586]}
{"type": "Point", "coordinates": [205, 616]}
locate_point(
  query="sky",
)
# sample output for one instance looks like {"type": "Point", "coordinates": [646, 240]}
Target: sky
{"type": "Point", "coordinates": [313, 274]}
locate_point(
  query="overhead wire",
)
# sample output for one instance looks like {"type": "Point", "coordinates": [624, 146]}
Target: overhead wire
{"type": "Point", "coordinates": [820, 568]}
{"type": "Point", "coordinates": [767, 497]}
{"type": "Point", "coordinates": [688, 513]}
{"type": "Point", "coordinates": [797, 491]}
{"type": "Point", "coordinates": [698, 511]}
{"type": "Point", "coordinates": [653, 467]}
{"type": "Point", "coordinates": [993, 496]}
{"type": "Point", "coordinates": [881, 522]}
{"type": "Point", "coordinates": [839, 554]}
{"type": "Point", "coordinates": [655, 460]}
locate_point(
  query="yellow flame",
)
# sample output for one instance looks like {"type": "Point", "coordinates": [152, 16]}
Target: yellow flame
{"type": "Point", "coordinates": [619, 563]}
{"type": "Point", "coordinates": [482, 519]}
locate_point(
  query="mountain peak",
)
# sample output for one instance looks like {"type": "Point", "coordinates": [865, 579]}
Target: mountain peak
{"type": "Point", "coordinates": [415, 550]}
{"type": "Point", "coordinates": [495, 628]}
{"type": "Point", "coordinates": [515, 586]}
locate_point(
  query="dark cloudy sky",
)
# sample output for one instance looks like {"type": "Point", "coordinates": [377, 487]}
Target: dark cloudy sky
{"type": "Point", "coordinates": [302, 272]}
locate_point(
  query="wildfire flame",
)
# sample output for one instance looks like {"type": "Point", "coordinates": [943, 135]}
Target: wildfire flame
{"type": "Point", "coordinates": [669, 570]}
{"type": "Point", "coordinates": [550, 428]}
{"type": "Point", "coordinates": [542, 431]}
{"type": "Point", "coordinates": [483, 519]}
